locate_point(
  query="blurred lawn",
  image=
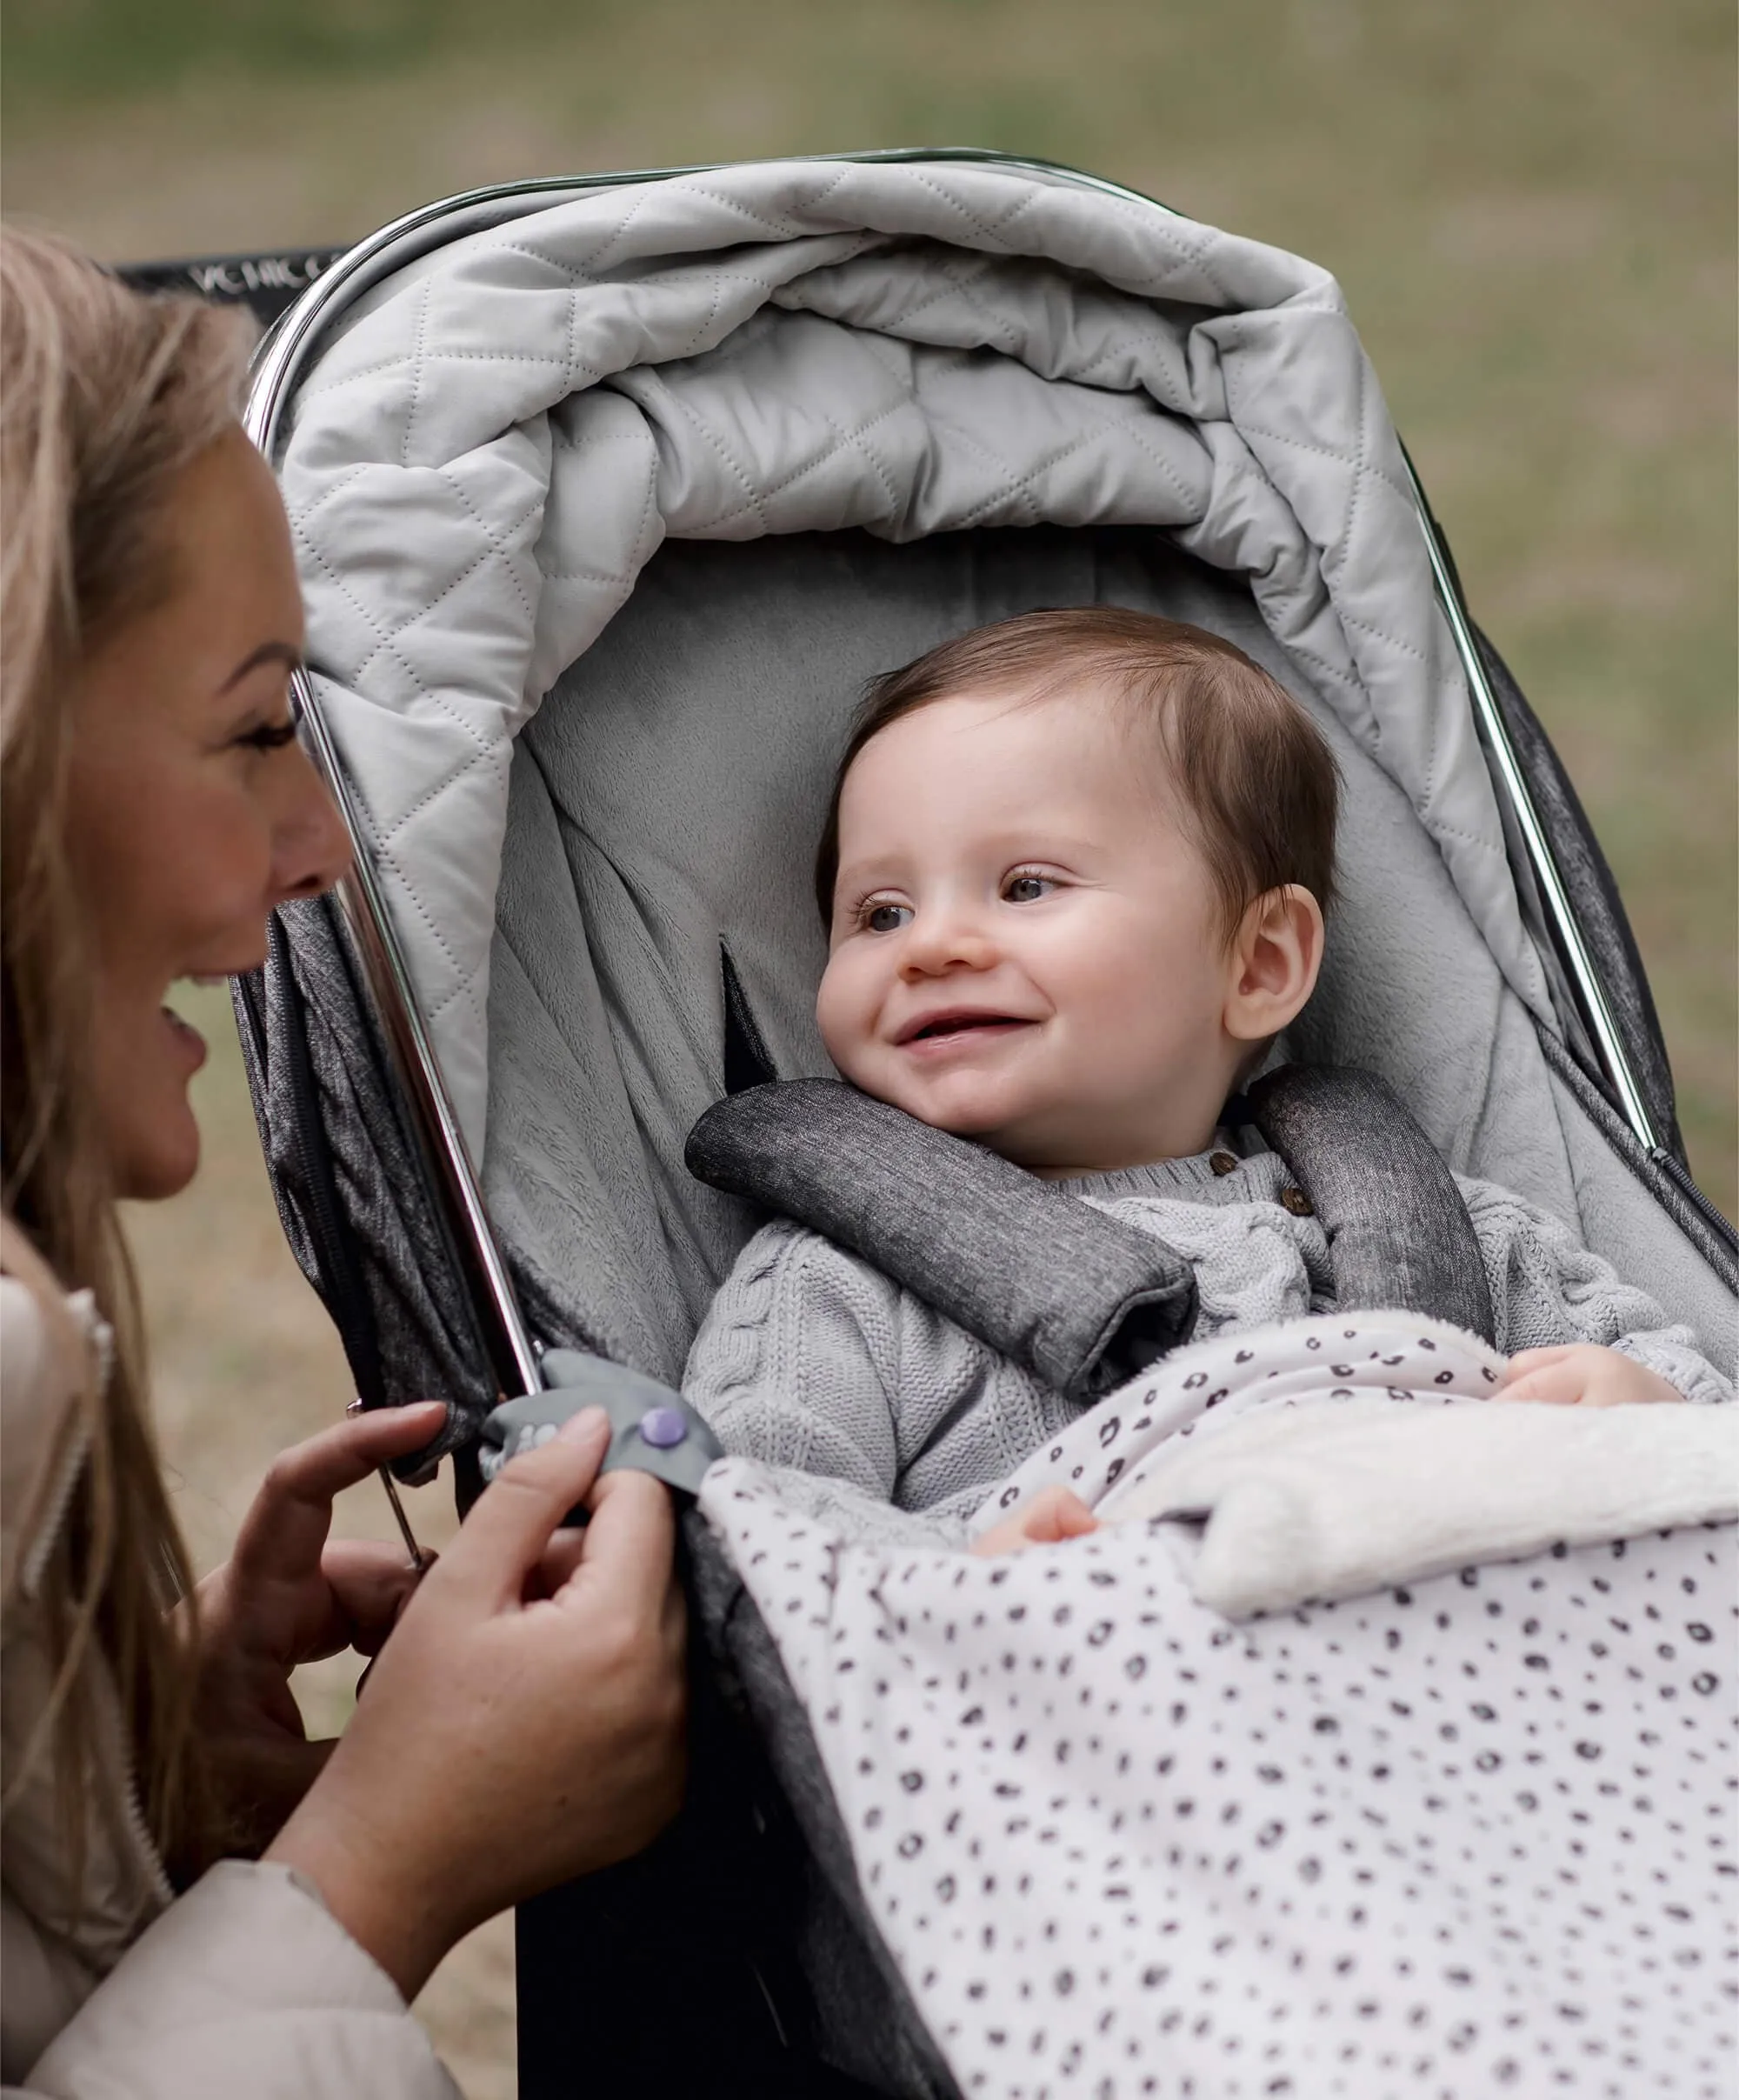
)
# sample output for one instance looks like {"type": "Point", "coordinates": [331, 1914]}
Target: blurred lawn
{"type": "Point", "coordinates": [1530, 203]}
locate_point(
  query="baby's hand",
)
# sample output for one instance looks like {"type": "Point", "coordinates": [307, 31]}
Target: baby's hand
{"type": "Point", "coordinates": [1582, 1376]}
{"type": "Point", "coordinates": [1053, 1515]}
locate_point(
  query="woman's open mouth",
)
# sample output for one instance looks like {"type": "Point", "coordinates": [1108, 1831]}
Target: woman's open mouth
{"type": "Point", "coordinates": [190, 1046]}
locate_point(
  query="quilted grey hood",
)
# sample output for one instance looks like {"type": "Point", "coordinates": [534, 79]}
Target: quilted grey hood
{"type": "Point", "coordinates": [482, 462]}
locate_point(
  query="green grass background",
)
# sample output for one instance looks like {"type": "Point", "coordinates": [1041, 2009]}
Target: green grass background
{"type": "Point", "coordinates": [1530, 203]}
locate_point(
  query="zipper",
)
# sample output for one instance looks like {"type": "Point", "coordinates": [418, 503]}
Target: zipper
{"type": "Point", "coordinates": [35, 1561]}
{"type": "Point", "coordinates": [99, 1338]}
{"type": "Point", "coordinates": [132, 1810]}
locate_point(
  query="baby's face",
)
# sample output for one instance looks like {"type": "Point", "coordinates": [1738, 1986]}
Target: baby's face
{"type": "Point", "coordinates": [1025, 947]}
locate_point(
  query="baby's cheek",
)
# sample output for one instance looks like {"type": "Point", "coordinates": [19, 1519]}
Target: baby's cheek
{"type": "Point", "coordinates": [843, 1014]}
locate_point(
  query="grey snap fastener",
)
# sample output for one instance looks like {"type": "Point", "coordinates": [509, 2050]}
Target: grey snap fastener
{"type": "Point", "coordinates": [663, 1428]}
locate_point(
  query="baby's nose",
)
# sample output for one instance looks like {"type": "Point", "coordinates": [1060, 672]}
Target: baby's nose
{"type": "Point", "coordinates": [941, 941]}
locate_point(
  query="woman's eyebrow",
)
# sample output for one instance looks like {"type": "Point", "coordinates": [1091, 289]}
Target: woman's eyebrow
{"type": "Point", "coordinates": [267, 652]}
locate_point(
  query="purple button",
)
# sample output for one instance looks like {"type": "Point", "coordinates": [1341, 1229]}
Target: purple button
{"type": "Point", "coordinates": [662, 1427]}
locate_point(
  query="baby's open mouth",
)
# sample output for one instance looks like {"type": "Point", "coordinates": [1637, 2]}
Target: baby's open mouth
{"type": "Point", "coordinates": [940, 1026]}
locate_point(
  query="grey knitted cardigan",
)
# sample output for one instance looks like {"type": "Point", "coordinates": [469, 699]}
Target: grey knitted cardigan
{"type": "Point", "coordinates": [896, 1422]}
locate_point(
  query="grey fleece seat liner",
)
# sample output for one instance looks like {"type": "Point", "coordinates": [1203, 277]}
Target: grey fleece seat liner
{"type": "Point", "coordinates": [665, 799]}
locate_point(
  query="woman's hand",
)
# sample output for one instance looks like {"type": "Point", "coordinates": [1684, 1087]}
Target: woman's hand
{"type": "Point", "coordinates": [523, 1725]}
{"type": "Point", "coordinates": [288, 1596]}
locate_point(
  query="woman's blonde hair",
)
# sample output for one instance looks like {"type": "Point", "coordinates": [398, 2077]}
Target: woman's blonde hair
{"type": "Point", "coordinates": [105, 398]}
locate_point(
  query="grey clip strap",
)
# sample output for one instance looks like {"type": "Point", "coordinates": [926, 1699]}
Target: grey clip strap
{"type": "Point", "coordinates": [1081, 1299]}
{"type": "Point", "coordinates": [652, 1430]}
{"type": "Point", "coordinates": [1398, 1232]}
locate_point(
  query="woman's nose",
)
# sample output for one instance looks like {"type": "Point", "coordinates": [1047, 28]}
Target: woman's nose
{"type": "Point", "coordinates": [312, 847]}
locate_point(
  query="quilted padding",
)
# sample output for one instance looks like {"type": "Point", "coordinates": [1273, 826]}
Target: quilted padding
{"type": "Point", "coordinates": [484, 459]}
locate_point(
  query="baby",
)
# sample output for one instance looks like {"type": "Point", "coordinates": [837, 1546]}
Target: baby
{"type": "Point", "coordinates": [1074, 876]}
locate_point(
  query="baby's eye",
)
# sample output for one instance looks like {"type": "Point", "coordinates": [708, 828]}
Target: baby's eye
{"type": "Point", "coordinates": [1027, 889]}
{"type": "Point", "coordinates": [885, 919]}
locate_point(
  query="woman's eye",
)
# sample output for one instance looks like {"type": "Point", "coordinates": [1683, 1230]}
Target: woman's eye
{"type": "Point", "coordinates": [886, 918]}
{"type": "Point", "coordinates": [1027, 889]}
{"type": "Point", "coordinates": [270, 736]}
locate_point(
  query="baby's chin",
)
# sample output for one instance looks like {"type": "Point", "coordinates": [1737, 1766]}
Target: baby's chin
{"type": "Point", "coordinates": [1018, 1128]}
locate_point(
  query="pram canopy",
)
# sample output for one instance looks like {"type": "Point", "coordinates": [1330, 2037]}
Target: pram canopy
{"type": "Point", "coordinates": [609, 497]}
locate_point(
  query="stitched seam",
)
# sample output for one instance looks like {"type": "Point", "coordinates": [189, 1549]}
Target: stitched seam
{"type": "Point", "coordinates": [1378, 634]}
{"type": "Point", "coordinates": [1303, 444]}
{"type": "Point", "coordinates": [751, 498]}
{"type": "Point", "coordinates": [422, 911]}
{"type": "Point", "coordinates": [364, 371]}
{"type": "Point", "coordinates": [389, 639]}
{"type": "Point", "coordinates": [839, 441]}
{"type": "Point", "coordinates": [415, 372]}
{"type": "Point", "coordinates": [386, 644]}
{"type": "Point", "coordinates": [301, 517]}
{"type": "Point", "coordinates": [870, 342]}
{"type": "Point", "coordinates": [488, 531]}
{"type": "Point", "coordinates": [994, 236]}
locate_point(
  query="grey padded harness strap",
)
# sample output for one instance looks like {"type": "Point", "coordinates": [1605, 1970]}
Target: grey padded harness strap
{"type": "Point", "coordinates": [1082, 1300]}
{"type": "Point", "coordinates": [1399, 1234]}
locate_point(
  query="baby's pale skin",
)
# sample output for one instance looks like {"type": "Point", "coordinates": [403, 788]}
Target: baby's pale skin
{"type": "Point", "coordinates": [1028, 949]}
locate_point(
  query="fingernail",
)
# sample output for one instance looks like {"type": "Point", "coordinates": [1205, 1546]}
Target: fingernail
{"type": "Point", "coordinates": [583, 1427]}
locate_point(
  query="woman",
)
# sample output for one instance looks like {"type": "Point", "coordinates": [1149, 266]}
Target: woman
{"type": "Point", "coordinates": [156, 807]}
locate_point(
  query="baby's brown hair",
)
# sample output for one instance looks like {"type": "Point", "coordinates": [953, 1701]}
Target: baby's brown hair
{"type": "Point", "coordinates": [1255, 780]}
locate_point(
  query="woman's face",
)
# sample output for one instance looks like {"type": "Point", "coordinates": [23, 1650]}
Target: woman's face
{"type": "Point", "coordinates": [192, 810]}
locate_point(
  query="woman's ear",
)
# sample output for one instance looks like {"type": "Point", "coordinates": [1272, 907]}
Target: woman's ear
{"type": "Point", "coordinates": [1272, 968]}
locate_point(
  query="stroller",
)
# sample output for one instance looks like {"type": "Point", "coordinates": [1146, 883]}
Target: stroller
{"type": "Point", "coordinates": [610, 494]}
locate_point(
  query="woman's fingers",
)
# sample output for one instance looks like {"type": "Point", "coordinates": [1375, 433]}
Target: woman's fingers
{"type": "Point", "coordinates": [287, 1523]}
{"type": "Point", "coordinates": [369, 1583]}
{"type": "Point", "coordinates": [565, 1752]}
{"type": "Point", "coordinates": [484, 1570]}
{"type": "Point", "coordinates": [632, 1532]}
{"type": "Point", "coordinates": [634, 1547]}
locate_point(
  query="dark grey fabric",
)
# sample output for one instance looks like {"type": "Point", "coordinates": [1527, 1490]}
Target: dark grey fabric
{"type": "Point", "coordinates": [419, 1342]}
{"type": "Point", "coordinates": [864, 2016]}
{"type": "Point", "coordinates": [1078, 1299]}
{"type": "Point", "coordinates": [1599, 908]}
{"type": "Point", "coordinates": [1398, 1232]}
{"type": "Point", "coordinates": [1671, 1188]}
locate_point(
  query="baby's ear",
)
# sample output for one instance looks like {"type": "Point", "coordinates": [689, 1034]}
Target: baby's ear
{"type": "Point", "coordinates": [1276, 956]}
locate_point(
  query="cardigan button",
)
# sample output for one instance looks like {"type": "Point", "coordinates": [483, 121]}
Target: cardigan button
{"type": "Point", "coordinates": [1223, 1162]}
{"type": "Point", "coordinates": [1297, 1203]}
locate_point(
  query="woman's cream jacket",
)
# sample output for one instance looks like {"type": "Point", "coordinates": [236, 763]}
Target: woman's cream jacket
{"type": "Point", "coordinates": [246, 1984]}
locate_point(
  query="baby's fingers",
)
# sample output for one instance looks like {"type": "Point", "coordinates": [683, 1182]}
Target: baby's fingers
{"type": "Point", "coordinates": [1526, 1360]}
{"type": "Point", "coordinates": [1057, 1514]}
{"type": "Point", "coordinates": [1557, 1384]}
